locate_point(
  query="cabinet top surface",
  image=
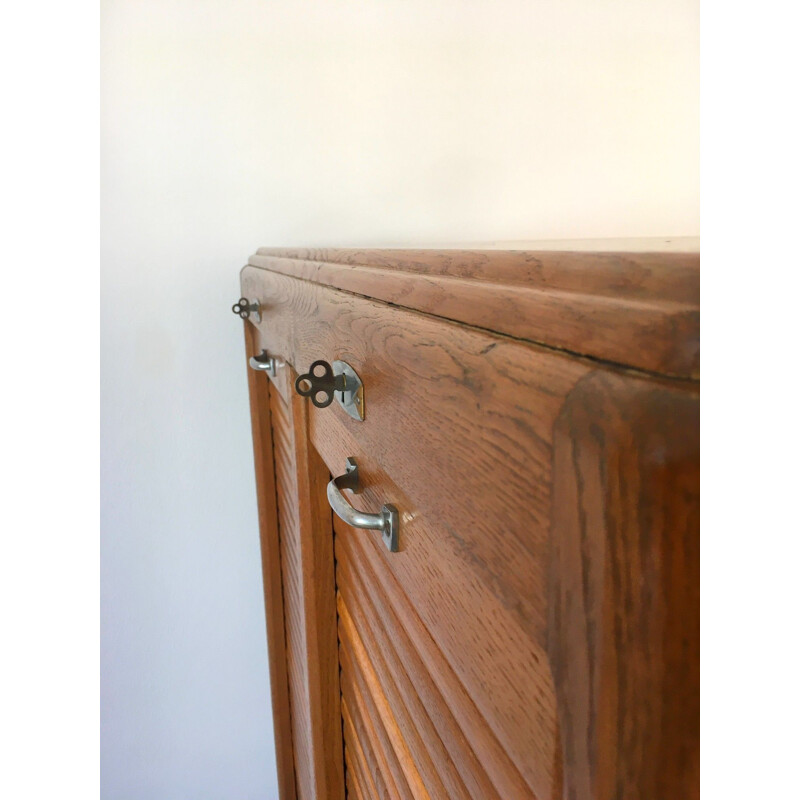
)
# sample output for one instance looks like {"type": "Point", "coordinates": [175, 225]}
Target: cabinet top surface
{"type": "Point", "coordinates": [633, 302]}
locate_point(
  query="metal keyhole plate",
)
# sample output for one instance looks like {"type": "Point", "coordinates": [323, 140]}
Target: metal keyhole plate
{"type": "Point", "coordinates": [325, 382]}
{"type": "Point", "coordinates": [352, 398]}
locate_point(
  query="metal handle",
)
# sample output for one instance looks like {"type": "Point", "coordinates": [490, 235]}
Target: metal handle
{"type": "Point", "coordinates": [387, 522]}
{"type": "Point", "coordinates": [265, 362]}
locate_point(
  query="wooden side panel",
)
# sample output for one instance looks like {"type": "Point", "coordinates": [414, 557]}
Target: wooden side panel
{"type": "Point", "coordinates": [624, 610]}
{"type": "Point", "coordinates": [306, 550]}
{"type": "Point", "coordinates": [271, 570]}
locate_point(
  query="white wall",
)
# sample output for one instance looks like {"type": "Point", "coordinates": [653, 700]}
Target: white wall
{"type": "Point", "coordinates": [229, 125]}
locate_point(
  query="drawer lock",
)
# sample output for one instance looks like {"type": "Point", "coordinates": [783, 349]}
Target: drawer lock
{"type": "Point", "coordinates": [325, 382]}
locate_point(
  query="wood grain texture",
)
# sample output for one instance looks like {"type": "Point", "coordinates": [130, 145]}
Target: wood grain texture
{"type": "Point", "coordinates": [306, 548]}
{"type": "Point", "coordinates": [382, 758]}
{"type": "Point", "coordinates": [455, 749]}
{"type": "Point", "coordinates": [351, 776]}
{"type": "Point", "coordinates": [536, 635]}
{"type": "Point", "coordinates": [633, 308]}
{"type": "Point", "coordinates": [376, 707]}
{"type": "Point", "coordinates": [444, 402]}
{"type": "Point", "coordinates": [624, 612]}
{"type": "Point", "coordinates": [420, 738]}
{"type": "Point", "coordinates": [271, 572]}
{"type": "Point", "coordinates": [360, 759]}
{"type": "Point", "coordinates": [457, 436]}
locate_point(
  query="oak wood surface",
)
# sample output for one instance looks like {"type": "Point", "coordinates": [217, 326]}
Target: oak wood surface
{"type": "Point", "coordinates": [437, 717]}
{"type": "Point", "coordinates": [625, 606]}
{"type": "Point", "coordinates": [271, 572]}
{"type": "Point", "coordinates": [540, 618]}
{"type": "Point", "coordinates": [444, 402]}
{"type": "Point", "coordinates": [633, 308]}
{"type": "Point", "coordinates": [457, 436]}
{"type": "Point", "coordinates": [306, 552]}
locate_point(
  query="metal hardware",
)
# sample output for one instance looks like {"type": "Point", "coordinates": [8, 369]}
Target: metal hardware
{"type": "Point", "coordinates": [387, 522]}
{"type": "Point", "coordinates": [337, 381]}
{"type": "Point", "coordinates": [244, 308]}
{"type": "Point", "coordinates": [265, 362]}
{"type": "Point", "coordinates": [351, 398]}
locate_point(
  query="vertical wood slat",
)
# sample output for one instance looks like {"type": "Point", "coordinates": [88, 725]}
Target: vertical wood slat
{"type": "Point", "coordinates": [306, 547]}
{"type": "Point", "coordinates": [425, 763]}
{"type": "Point", "coordinates": [271, 571]}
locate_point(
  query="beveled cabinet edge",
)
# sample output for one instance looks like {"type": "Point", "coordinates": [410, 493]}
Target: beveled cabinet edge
{"type": "Point", "coordinates": [634, 307]}
{"type": "Point", "coordinates": [623, 633]}
{"type": "Point", "coordinates": [271, 571]}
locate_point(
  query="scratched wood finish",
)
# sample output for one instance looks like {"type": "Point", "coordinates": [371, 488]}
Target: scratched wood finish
{"type": "Point", "coordinates": [625, 604]}
{"type": "Point", "coordinates": [271, 571]}
{"type": "Point", "coordinates": [631, 307]}
{"type": "Point", "coordinates": [306, 556]}
{"type": "Point", "coordinates": [509, 649]}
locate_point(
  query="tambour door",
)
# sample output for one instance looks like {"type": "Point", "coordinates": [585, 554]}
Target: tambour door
{"type": "Point", "coordinates": [417, 725]}
{"type": "Point", "coordinates": [299, 589]}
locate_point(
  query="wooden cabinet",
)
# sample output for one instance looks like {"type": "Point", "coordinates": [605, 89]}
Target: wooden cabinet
{"type": "Point", "coordinates": [533, 416]}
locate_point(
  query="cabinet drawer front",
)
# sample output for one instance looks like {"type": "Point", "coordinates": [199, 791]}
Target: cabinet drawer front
{"type": "Point", "coordinates": [448, 635]}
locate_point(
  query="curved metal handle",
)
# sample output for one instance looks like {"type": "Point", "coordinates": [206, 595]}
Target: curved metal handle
{"type": "Point", "coordinates": [387, 522]}
{"type": "Point", "coordinates": [265, 362]}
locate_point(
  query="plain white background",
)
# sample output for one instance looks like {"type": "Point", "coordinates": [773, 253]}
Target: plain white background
{"type": "Point", "coordinates": [168, 211]}
{"type": "Point", "coordinates": [226, 126]}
